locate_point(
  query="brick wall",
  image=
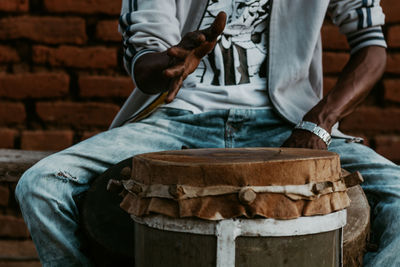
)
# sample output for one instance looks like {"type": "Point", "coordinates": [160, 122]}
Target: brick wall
{"type": "Point", "coordinates": [61, 77]}
{"type": "Point", "coordinates": [62, 80]}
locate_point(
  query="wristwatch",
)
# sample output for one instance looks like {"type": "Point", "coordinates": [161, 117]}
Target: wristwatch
{"type": "Point", "coordinates": [315, 129]}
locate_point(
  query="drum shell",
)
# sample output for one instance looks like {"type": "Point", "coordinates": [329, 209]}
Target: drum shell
{"type": "Point", "coordinates": [155, 247]}
{"type": "Point", "coordinates": [99, 223]}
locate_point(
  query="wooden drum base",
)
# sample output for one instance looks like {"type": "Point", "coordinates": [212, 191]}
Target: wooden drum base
{"type": "Point", "coordinates": [109, 230]}
{"type": "Point", "coordinates": [357, 228]}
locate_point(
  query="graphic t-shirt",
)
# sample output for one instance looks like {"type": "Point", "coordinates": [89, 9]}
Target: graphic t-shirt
{"type": "Point", "coordinates": [233, 75]}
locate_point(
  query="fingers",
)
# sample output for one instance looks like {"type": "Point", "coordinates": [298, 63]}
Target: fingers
{"type": "Point", "coordinates": [303, 139]}
{"type": "Point", "coordinates": [175, 71]}
{"type": "Point", "coordinates": [216, 28]}
{"type": "Point", "coordinates": [202, 41]}
{"type": "Point", "coordinates": [204, 49]}
{"type": "Point", "coordinates": [192, 40]}
{"type": "Point", "coordinates": [211, 34]}
{"type": "Point", "coordinates": [178, 52]}
{"type": "Point", "coordinates": [189, 52]}
{"type": "Point", "coordinates": [176, 74]}
{"type": "Point", "coordinates": [174, 87]}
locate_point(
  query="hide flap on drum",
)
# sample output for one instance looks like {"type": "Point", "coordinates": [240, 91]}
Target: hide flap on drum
{"type": "Point", "coordinates": [215, 184]}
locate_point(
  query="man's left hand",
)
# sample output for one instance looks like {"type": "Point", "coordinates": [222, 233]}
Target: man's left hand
{"type": "Point", "coordinates": [305, 139]}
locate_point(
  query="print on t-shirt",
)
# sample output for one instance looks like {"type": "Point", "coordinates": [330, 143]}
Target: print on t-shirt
{"type": "Point", "coordinates": [240, 54]}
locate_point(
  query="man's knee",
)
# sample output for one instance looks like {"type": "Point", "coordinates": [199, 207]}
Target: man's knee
{"type": "Point", "coordinates": [36, 183]}
{"type": "Point", "coordinates": [28, 184]}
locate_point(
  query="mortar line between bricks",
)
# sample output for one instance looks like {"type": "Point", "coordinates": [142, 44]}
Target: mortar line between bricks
{"type": "Point", "coordinates": [17, 258]}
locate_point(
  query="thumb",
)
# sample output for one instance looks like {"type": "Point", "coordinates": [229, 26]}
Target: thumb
{"type": "Point", "coordinates": [215, 30]}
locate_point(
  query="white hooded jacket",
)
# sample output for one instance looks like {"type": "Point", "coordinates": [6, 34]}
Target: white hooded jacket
{"type": "Point", "coordinates": [294, 67]}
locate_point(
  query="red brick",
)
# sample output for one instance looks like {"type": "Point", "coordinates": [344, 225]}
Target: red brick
{"type": "Point", "coordinates": [81, 115]}
{"type": "Point", "coordinates": [103, 86]}
{"type": "Point", "coordinates": [332, 38]}
{"type": "Point", "coordinates": [372, 119]}
{"type": "Point", "coordinates": [334, 62]}
{"type": "Point", "coordinates": [69, 56]}
{"type": "Point", "coordinates": [11, 113]}
{"type": "Point", "coordinates": [7, 138]}
{"type": "Point", "coordinates": [393, 36]}
{"type": "Point", "coordinates": [34, 85]}
{"type": "Point", "coordinates": [47, 140]}
{"type": "Point", "coordinates": [329, 83]}
{"type": "Point", "coordinates": [8, 54]}
{"type": "Point", "coordinates": [20, 263]}
{"type": "Point", "coordinates": [110, 7]}
{"type": "Point", "coordinates": [14, 5]}
{"type": "Point", "coordinates": [393, 63]}
{"type": "Point", "coordinates": [388, 146]}
{"type": "Point", "coordinates": [4, 196]}
{"type": "Point", "coordinates": [392, 89]}
{"type": "Point", "coordinates": [15, 249]}
{"type": "Point", "coordinates": [11, 226]}
{"type": "Point", "coordinates": [49, 30]}
{"type": "Point", "coordinates": [391, 8]}
{"type": "Point", "coordinates": [107, 30]}
{"type": "Point", "coordinates": [88, 134]}
{"type": "Point", "coordinates": [23, 67]}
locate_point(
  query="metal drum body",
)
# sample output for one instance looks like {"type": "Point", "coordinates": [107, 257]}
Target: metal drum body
{"type": "Point", "coordinates": [109, 230]}
{"type": "Point", "coordinates": [237, 207]}
{"type": "Point", "coordinates": [305, 241]}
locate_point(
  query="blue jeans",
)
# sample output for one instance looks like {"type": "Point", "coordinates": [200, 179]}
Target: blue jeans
{"type": "Point", "coordinates": [45, 192]}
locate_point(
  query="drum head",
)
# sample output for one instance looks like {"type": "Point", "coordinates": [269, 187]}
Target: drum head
{"type": "Point", "coordinates": [215, 184]}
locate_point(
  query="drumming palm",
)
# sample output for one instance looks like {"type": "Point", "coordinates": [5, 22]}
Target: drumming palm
{"type": "Point", "coordinates": [166, 71]}
{"type": "Point", "coordinates": [187, 55]}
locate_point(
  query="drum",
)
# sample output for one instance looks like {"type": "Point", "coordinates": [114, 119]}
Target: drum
{"type": "Point", "coordinates": [109, 230]}
{"type": "Point", "coordinates": [237, 207]}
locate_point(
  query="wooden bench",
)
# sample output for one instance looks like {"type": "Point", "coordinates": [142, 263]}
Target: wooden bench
{"type": "Point", "coordinates": [16, 249]}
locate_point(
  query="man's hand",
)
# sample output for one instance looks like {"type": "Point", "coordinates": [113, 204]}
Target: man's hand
{"type": "Point", "coordinates": [304, 139]}
{"type": "Point", "coordinates": [186, 56]}
{"type": "Point", "coordinates": [166, 71]}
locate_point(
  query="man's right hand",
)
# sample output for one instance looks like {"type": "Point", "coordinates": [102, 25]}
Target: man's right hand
{"type": "Point", "coordinates": [166, 71]}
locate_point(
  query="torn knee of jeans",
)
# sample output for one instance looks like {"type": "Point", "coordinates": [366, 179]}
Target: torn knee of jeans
{"type": "Point", "coordinates": [66, 175]}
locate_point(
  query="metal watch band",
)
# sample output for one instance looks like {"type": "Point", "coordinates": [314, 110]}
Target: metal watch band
{"type": "Point", "coordinates": [315, 129]}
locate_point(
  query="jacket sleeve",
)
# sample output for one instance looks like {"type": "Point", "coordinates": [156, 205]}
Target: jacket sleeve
{"type": "Point", "coordinates": [360, 21]}
{"type": "Point", "coordinates": [147, 26]}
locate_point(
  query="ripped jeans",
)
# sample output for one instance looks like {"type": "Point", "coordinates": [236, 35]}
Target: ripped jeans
{"type": "Point", "coordinates": [45, 192]}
